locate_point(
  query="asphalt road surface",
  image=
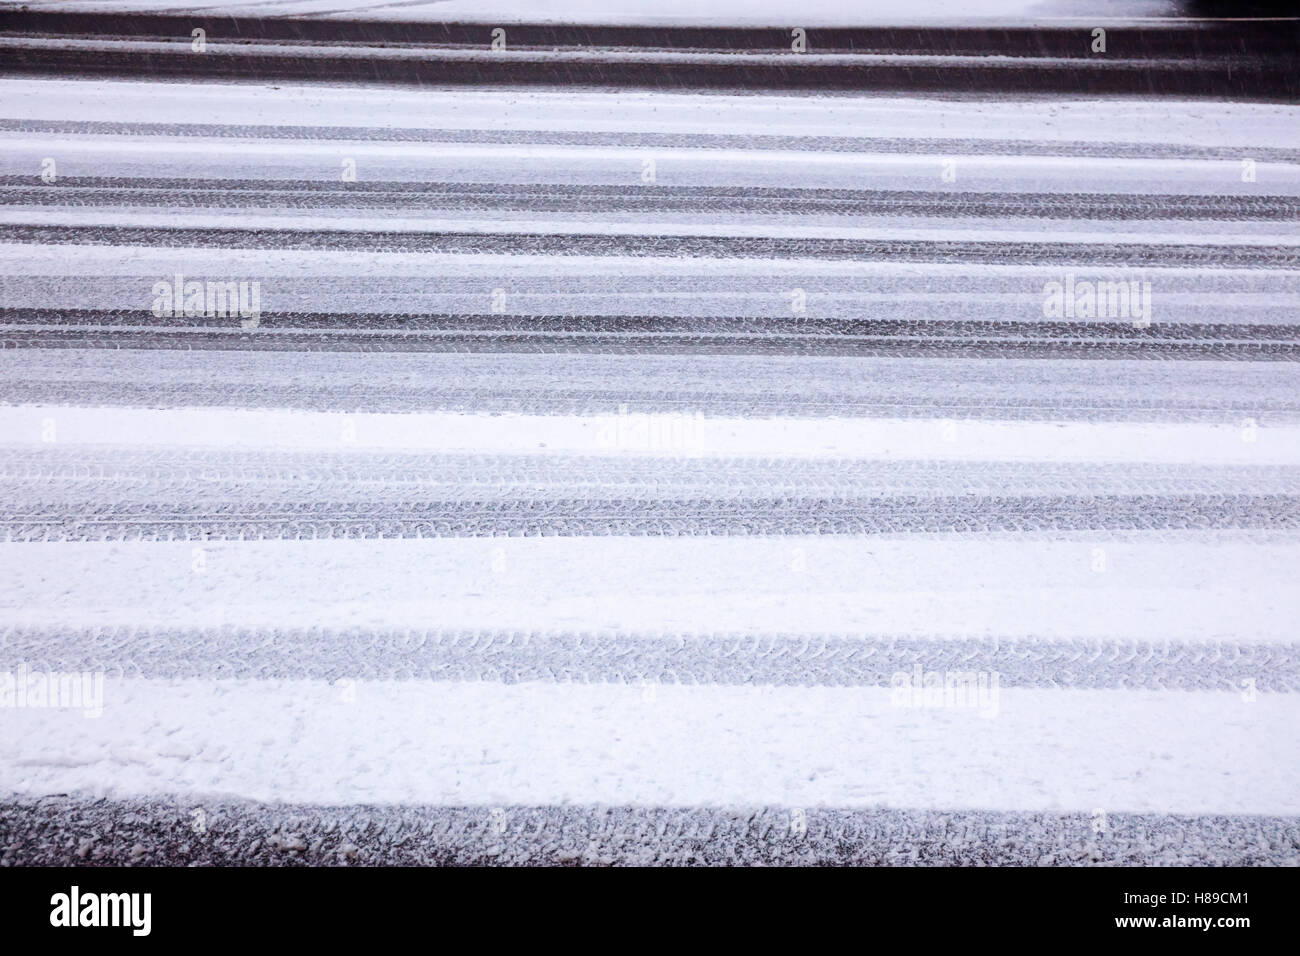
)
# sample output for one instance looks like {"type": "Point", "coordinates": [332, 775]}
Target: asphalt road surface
{"type": "Point", "coordinates": [645, 456]}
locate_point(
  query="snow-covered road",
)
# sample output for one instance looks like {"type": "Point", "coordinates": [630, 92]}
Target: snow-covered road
{"type": "Point", "coordinates": [606, 476]}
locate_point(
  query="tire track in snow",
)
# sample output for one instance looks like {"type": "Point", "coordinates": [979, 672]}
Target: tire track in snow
{"type": "Point", "coordinates": [428, 517]}
{"type": "Point", "coordinates": [573, 384]}
{"type": "Point", "coordinates": [810, 660]}
{"type": "Point", "coordinates": [643, 139]}
{"type": "Point", "coordinates": [596, 198]}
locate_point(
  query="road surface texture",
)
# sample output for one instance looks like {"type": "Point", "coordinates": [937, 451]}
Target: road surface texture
{"type": "Point", "coordinates": [646, 442]}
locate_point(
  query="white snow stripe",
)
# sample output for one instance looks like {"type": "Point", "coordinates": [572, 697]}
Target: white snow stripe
{"type": "Point", "coordinates": [1129, 120]}
{"type": "Point", "coordinates": [852, 438]}
{"type": "Point", "coordinates": [83, 155]}
{"type": "Point", "coordinates": [1194, 586]}
{"type": "Point", "coordinates": [537, 744]}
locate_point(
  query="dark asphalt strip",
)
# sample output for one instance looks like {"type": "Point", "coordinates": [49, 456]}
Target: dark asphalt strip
{"type": "Point", "coordinates": [81, 829]}
{"type": "Point", "coordinates": [1241, 256]}
{"type": "Point", "coordinates": [651, 344]}
{"type": "Point", "coordinates": [591, 199]}
{"type": "Point", "coordinates": [937, 330]}
{"type": "Point", "coordinates": [1241, 77]}
{"type": "Point", "coordinates": [655, 517]}
{"type": "Point", "coordinates": [1177, 407]}
{"type": "Point", "coordinates": [1173, 39]}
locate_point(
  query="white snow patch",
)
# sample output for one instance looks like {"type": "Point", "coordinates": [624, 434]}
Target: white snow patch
{"type": "Point", "coordinates": [491, 744]}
